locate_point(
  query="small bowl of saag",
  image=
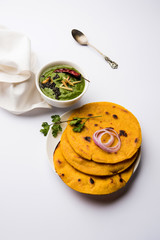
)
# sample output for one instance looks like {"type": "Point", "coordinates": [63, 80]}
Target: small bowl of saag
{"type": "Point", "coordinates": [61, 83]}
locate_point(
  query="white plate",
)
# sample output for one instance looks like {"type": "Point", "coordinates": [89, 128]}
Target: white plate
{"type": "Point", "coordinates": [52, 142]}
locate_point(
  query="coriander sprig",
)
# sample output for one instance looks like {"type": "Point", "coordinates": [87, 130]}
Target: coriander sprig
{"type": "Point", "coordinates": [56, 124]}
{"type": "Point", "coordinates": [78, 126]}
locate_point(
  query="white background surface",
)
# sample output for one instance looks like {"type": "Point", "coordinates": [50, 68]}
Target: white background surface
{"type": "Point", "coordinates": [34, 202]}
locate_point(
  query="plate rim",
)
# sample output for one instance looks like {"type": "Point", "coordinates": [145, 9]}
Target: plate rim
{"type": "Point", "coordinates": [57, 139]}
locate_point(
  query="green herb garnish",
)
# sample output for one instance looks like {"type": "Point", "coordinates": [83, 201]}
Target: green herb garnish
{"type": "Point", "coordinates": [55, 129]}
{"type": "Point", "coordinates": [79, 127]}
{"type": "Point", "coordinates": [45, 128]}
{"type": "Point", "coordinates": [75, 121]}
{"type": "Point", "coordinates": [55, 118]}
{"type": "Point", "coordinates": [56, 124]}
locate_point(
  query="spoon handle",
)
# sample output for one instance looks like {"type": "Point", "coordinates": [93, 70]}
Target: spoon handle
{"type": "Point", "coordinates": [111, 63]}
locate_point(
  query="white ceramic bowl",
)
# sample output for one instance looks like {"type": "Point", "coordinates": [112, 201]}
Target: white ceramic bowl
{"type": "Point", "coordinates": [60, 103]}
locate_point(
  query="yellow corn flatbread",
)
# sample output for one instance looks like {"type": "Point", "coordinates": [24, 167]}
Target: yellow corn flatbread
{"type": "Point", "coordinates": [87, 183]}
{"type": "Point", "coordinates": [114, 116]}
{"type": "Point", "coordinates": [91, 167]}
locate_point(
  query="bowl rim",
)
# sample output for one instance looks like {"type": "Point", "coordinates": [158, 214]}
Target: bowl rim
{"type": "Point", "coordinates": [60, 62]}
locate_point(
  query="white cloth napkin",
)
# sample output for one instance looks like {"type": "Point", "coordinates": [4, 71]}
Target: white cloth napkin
{"type": "Point", "coordinates": [18, 93]}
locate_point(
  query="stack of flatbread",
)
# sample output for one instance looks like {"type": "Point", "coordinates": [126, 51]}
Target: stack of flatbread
{"type": "Point", "coordinates": [87, 168]}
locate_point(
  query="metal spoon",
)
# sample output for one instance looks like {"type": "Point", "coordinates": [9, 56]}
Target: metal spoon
{"type": "Point", "coordinates": [81, 39]}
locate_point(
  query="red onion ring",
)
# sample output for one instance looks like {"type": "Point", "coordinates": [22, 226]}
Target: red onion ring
{"type": "Point", "coordinates": [97, 136]}
{"type": "Point", "coordinates": [100, 133]}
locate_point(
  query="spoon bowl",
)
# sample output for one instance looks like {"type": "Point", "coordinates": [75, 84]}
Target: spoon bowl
{"type": "Point", "coordinates": [79, 37]}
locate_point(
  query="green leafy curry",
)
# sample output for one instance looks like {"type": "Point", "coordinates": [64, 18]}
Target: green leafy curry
{"type": "Point", "coordinates": [61, 82]}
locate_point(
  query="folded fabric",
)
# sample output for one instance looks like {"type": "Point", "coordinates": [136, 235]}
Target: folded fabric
{"type": "Point", "coordinates": [18, 93]}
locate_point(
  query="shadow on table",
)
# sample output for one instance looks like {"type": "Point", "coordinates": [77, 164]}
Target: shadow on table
{"type": "Point", "coordinates": [52, 110]}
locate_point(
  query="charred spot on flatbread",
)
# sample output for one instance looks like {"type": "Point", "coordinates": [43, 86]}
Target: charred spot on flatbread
{"type": "Point", "coordinates": [109, 128]}
{"type": "Point", "coordinates": [124, 110]}
{"type": "Point", "coordinates": [91, 180]}
{"type": "Point", "coordinates": [136, 140]}
{"type": "Point", "coordinates": [120, 178]}
{"type": "Point", "coordinates": [122, 133]}
{"type": "Point", "coordinates": [115, 116]}
{"type": "Point", "coordinates": [88, 139]}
